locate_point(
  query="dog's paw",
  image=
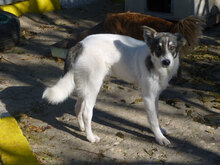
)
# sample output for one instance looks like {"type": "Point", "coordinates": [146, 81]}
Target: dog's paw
{"type": "Point", "coordinates": [164, 131]}
{"type": "Point", "coordinates": [93, 138]}
{"type": "Point", "coordinates": [81, 127]}
{"type": "Point", "coordinates": [163, 141]}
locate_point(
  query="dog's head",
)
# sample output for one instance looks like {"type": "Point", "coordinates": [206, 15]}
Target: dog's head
{"type": "Point", "coordinates": [164, 46]}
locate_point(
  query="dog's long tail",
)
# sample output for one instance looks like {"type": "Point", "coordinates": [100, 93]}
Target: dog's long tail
{"type": "Point", "coordinates": [191, 28]}
{"type": "Point", "coordinates": [65, 86]}
{"type": "Point", "coordinates": [61, 90]}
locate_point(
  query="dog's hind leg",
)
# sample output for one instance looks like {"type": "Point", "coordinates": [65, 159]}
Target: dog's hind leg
{"type": "Point", "coordinates": [89, 93]}
{"type": "Point", "coordinates": [87, 117]}
{"type": "Point", "coordinates": [89, 75]}
{"type": "Point", "coordinates": [79, 107]}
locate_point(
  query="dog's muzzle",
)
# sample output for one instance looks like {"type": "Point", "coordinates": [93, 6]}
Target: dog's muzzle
{"type": "Point", "coordinates": [165, 63]}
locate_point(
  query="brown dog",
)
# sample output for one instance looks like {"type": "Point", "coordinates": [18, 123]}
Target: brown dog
{"type": "Point", "coordinates": [128, 23]}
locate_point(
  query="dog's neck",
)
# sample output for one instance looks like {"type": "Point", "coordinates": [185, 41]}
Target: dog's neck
{"type": "Point", "coordinates": [149, 64]}
{"type": "Point", "coordinates": [162, 74]}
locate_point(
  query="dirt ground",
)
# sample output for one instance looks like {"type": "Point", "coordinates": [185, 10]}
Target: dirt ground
{"type": "Point", "coordinates": [189, 108]}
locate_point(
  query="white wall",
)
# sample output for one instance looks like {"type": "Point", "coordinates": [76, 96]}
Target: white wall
{"type": "Point", "coordinates": [205, 7]}
{"type": "Point", "coordinates": [182, 8]}
{"type": "Point", "coordinates": [134, 6]}
{"type": "Point", "coordinates": [179, 8]}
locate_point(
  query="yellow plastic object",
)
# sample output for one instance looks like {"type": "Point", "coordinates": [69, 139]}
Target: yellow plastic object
{"type": "Point", "coordinates": [41, 6]}
{"type": "Point", "coordinates": [14, 147]}
{"type": "Point", "coordinates": [31, 6]}
{"type": "Point", "coordinates": [17, 9]}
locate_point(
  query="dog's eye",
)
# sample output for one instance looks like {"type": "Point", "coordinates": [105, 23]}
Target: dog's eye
{"type": "Point", "coordinates": [171, 47]}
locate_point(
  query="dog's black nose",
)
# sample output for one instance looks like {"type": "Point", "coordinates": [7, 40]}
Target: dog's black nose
{"type": "Point", "coordinates": [166, 62]}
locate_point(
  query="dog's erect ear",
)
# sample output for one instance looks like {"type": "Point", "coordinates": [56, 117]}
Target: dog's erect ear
{"type": "Point", "coordinates": [180, 39]}
{"type": "Point", "coordinates": [148, 33]}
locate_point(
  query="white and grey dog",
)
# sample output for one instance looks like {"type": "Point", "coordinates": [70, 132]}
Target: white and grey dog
{"type": "Point", "coordinates": [150, 65]}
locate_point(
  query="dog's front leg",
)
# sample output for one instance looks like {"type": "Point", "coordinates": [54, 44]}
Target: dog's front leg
{"type": "Point", "coordinates": [149, 102]}
{"type": "Point", "coordinates": [164, 131]}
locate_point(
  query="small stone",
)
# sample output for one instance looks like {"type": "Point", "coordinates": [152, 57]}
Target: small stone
{"type": "Point", "coordinates": [116, 143]}
{"type": "Point", "coordinates": [121, 135]}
